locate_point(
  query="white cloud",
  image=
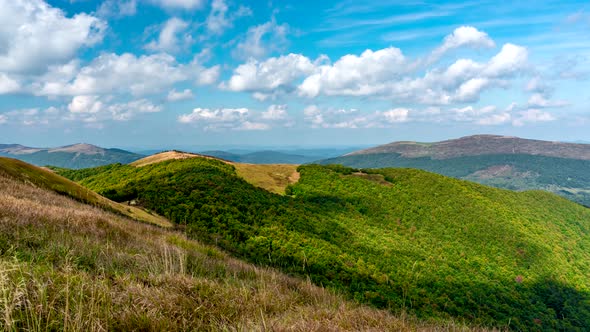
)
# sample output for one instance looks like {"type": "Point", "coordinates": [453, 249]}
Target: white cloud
{"type": "Point", "coordinates": [353, 118]}
{"type": "Point", "coordinates": [179, 4]}
{"type": "Point", "coordinates": [117, 8]}
{"type": "Point", "coordinates": [537, 100]}
{"type": "Point", "coordinates": [33, 116]}
{"type": "Point", "coordinates": [222, 118]}
{"type": "Point", "coordinates": [270, 75]}
{"type": "Point", "coordinates": [465, 36]}
{"type": "Point", "coordinates": [396, 115]}
{"type": "Point", "coordinates": [261, 40]}
{"type": "Point", "coordinates": [532, 116]}
{"type": "Point", "coordinates": [356, 75]}
{"type": "Point", "coordinates": [174, 95]}
{"type": "Point", "coordinates": [172, 37]}
{"type": "Point", "coordinates": [275, 112]}
{"type": "Point", "coordinates": [85, 104]}
{"type": "Point", "coordinates": [3, 119]}
{"type": "Point", "coordinates": [8, 85]}
{"type": "Point", "coordinates": [388, 74]}
{"type": "Point", "coordinates": [254, 126]}
{"type": "Point", "coordinates": [126, 73]}
{"type": "Point", "coordinates": [218, 20]}
{"type": "Point", "coordinates": [238, 118]}
{"type": "Point", "coordinates": [96, 109]}
{"type": "Point", "coordinates": [511, 59]}
{"type": "Point", "coordinates": [34, 35]}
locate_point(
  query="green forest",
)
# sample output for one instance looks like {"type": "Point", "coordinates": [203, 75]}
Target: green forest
{"type": "Point", "coordinates": [559, 175]}
{"type": "Point", "coordinates": [401, 239]}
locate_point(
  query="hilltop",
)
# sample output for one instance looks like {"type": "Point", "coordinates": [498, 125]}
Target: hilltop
{"type": "Point", "coordinates": [401, 239]}
{"type": "Point", "coordinates": [74, 266]}
{"type": "Point", "coordinates": [74, 156]}
{"type": "Point", "coordinates": [500, 161]}
{"type": "Point", "coordinates": [272, 177]}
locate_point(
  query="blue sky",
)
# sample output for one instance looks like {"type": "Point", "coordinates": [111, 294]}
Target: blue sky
{"type": "Point", "coordinates": [220, 73]}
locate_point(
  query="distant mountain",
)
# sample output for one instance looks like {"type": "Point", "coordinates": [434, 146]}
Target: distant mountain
{"type": "Point", "coordinates": [263, 157]}
{"type": "Point", "coordinates": [482, 145]}
{"type": "Point", "coordinates": [71, 156]}
{"type": "Point", "coordinates": [500, 161]}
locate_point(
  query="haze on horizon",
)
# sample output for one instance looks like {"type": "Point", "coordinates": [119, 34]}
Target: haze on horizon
{"type": "Point", "coordinates": [159, 73]}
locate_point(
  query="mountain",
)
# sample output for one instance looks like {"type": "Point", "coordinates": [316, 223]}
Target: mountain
{"type": "Point", "coordinates": [71, 156]}
{"type": "Point", "coordinates": [505, 162]}
{"type": "Point", "coordinates": [70, 263]}
{"type": "Point", "coordinates": [402, 239]}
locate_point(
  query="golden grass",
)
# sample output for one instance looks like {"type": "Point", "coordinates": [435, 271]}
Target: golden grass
{"type": "Point", "coordinates": [69, 266]}
{"type": "Point", "coordinates": [168, 155]}
{"type": "Point", "coordinates": [45, 178]}
{"type": "Point", "coordinates": [272, 177]}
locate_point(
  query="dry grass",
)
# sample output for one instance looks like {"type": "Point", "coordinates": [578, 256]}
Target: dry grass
{"type": "Point", "coordinates": [168, 155]}
{"type": "Point", "coordinates": [45, 178]}
{"type": "Point", "coordinates": [72, 267]}
{"type": "Point", "coordinates": [272, 177]}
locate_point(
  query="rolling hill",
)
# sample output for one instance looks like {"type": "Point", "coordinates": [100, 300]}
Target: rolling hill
{"type": "Point", "coordinates": [500, 161]}
{"type": "Point", "coordinates": [406, 240]}
{"type": "Point", "coordinates": [72, 156]}
{"type": "Point", "coordinates": [262, 157]}
{"type": "Point", "coordinates": [68, 263]}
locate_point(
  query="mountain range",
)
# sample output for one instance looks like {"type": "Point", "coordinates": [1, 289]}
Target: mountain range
{"type": "Point", "coordinates": [71, 156]}
{"type": "Point", "coordinates": [500, 161]}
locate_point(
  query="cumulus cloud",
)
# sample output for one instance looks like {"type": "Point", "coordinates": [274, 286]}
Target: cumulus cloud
{"type": "Point", "coordinates": [174, 95]}
{"type": "Point", "coordinates": [34, 35]}
{"type": "Point", "coordinates": [8, 85]}
{"type": "Point", "coordinates": [179, 4]}
{"type": "Point", "coordinates": [172, 37]}
{"type": "Point", "coordinates": [126, 73]}
{"type": "Point", "coordinates": [96, 109]}
{"type": "Point", "coordinates": [465, 36]}
{"type": "Point", "coordinates": [221, 118]}
{"type": "Point", "coordinates": [356, 75]}
{"type": "Point", "coordinates": [262, 40]}
{"type": "Point", "coordinates": [270, 75]}
{"type": "Point", "coordinates": [3, 119]}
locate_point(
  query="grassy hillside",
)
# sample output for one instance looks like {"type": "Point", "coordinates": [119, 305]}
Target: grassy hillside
{"type": "Point", "coordinates": [46, 179]}
{"type": "Point", "coordinates": [567, 177]}
{"type": "Point", "coordinates": [396, 238]}
{"type": "Point", "coordinates": [68, 266]}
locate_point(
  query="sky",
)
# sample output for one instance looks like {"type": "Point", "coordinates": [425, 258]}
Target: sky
{"type": "Point", "coordinates": [227, 73]}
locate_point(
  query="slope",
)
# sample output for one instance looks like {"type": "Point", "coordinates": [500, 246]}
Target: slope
{"type": "Point", "coordinates": [396, 238]}
{"type": "Point", "coordinates": [504, 162]}
{"type": "Point", "coordinates": [71, 156]}
{"type": "Point", "coordinates": [46, 179]}
{"type": "Point", "coordinates": [68, 266]}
